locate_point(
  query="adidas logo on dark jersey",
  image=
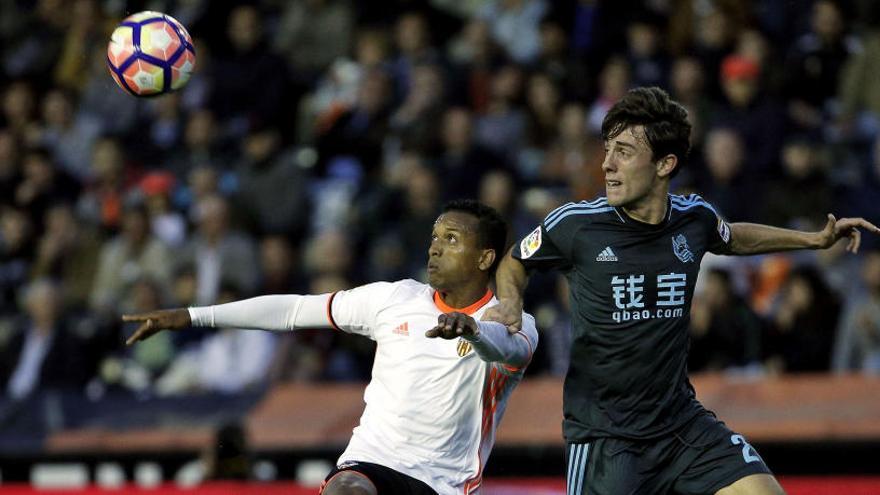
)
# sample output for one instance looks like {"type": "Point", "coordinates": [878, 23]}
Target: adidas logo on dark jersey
{"type": "Point", "coordinates": [606, 255]}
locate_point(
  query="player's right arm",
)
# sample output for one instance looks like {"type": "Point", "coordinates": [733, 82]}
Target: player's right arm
{"type": "Point", "coordinates": [511, 279]}
{"type": "Point", "coordinates": [546, 247]}
{"type": "Point", "coordinates": [278, 312]}
{"type": "Point", "coordinates": [352, 311]}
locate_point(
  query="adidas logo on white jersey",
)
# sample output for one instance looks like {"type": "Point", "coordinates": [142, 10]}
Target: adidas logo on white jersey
{"type": "Point", "coordinates": [606, 255]}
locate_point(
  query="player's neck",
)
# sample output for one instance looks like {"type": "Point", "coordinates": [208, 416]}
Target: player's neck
{"type": "Point", "coordinates": [650, 209]}
{"type": "Point", "coordinates": [463, 297]}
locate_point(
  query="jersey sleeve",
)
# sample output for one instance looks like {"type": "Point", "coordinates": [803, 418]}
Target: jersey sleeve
{"type": "Point", "coordinates": [356, 310]}
{"type": "Point", "coordinates": [718, 230]}
{"type": "Point", "coordinates": [550, 244]}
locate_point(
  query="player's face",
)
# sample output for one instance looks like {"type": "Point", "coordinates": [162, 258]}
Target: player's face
{"type": "Point", "coordinates": [454, 255]}
{"type": "Point", "coordinates": [630, 171]}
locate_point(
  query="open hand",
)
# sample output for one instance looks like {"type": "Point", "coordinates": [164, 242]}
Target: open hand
{"type": "Point", "coordinates": [845, 227]}
{"type": "Point", "coordinates": [156, 321]}
{"type": "Point", "coordinates": [507, 313]}
{"type": "Point", "coordinates": [453, 325]}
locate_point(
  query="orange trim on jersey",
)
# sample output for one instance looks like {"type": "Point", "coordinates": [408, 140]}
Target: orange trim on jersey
{"type": "Point", "coordinates": [494, 385]}
{"type": "Point", "coordinates": [330, 312]}
{"type": "Point", "coordinates": [327, 482]}
{"type": "Point", "coordinates": [442, 306]}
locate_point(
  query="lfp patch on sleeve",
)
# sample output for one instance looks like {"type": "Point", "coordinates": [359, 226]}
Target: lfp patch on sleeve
{"type": "Point", "coordinates": [531, 243]}
{"type": "Point", "coordinates": [724, 230]}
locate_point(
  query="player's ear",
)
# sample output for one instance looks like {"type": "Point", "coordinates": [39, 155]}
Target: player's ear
{"type": "Point", "coordinates": [487, 258]}
{"type": "Point", "coordinates": [666, 165]}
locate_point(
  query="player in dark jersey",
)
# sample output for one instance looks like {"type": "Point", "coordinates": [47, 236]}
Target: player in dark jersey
{"type": "Point", "coordinates": [631, 419]}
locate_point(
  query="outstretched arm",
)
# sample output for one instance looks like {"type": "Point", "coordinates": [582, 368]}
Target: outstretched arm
{"type": "Point", "coordinates": [510, 283]}
{"type": "Point", "coordinates": [752, 238]}
{"type": "Point", "coordinates": [286, 312]}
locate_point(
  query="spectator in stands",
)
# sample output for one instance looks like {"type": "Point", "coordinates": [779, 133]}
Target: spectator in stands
{"type": "Point", "coordinates": [725, 332]}
{"type": "Point", "coordinates": [10, 166]}
{"type": "Point", "coordinates": [650, 66]}
{"type": "Point", "coordinates": [16, 255]}
{"type": "Point", "coordinates": [461, 160]}
{"type": "Point", "coordinates": [412, 40]}
{"type": "Point", "coordinates": [131, 255]}
{"type": "Point", "coordinates": [857, 345]}
{"type": "Point", "coordinates": [814, 65]}
{"type": "Point", "coordinates": [69, 137]}
{"type": "Point", "coordinates": [359, 129]}
{"type": "Point", "coordinates": [168, 225]}
{"type": "Point", "coordinates": [245, 65]}
{"type": "Point", "coordinates": [278, 266]}
{"type": "Point", "coordinates": [33, 52]}
{"type": "Point", "coordinates": [68, 252]}
{"type": "Point", "coordinates": [19, 109]}
{"type": "Point", "coordinates": [726, 184]}
{"type": "Point", "coordinates": [218, 252]}
{"type": "Point", "coordinates": [515, 26]}
{"type": "Point", "coordinates": [614, 81]}
{"type": "Point", "coordinates": [555, 60]}
{"type": "Point", "coordinates": [758, 119]}
{"type": "Point", "coordinates": [312, 34]}
{"type": "Point", "coordinates": [803, 196]}
{"type": "Point", "coordinates": [101, 202]}
{"type": "Point", "coordinates": [502, 128]}
{"type": "Point", "coordinates": [42, 185]}
{"type": "Point", "coordinates": [574, 159]}
{"type": "Point", "coordinates": [415, 122]}
{"type": "Point", "coordinates": [272, 186]}
{"type": "Point", "coordinates": [805, 323]}
{"type": "Point", "coordinates": [43, 354]}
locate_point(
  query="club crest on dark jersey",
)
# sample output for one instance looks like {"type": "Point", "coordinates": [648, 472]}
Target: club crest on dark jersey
{"type": "Point", "coordinates": [464, 347]}
{"type": "Point", "coordinates": [681, 249]}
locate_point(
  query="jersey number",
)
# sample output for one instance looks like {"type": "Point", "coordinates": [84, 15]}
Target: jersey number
{"type": "Point", "coordinates": [747, 448]}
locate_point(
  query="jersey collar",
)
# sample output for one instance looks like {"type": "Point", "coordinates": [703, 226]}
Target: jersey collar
{"type": "Point", "coordinates": [473, 308]}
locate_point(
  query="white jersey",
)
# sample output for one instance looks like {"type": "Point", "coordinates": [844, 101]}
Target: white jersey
{"type": "Point", "coordinates": [433, 405]}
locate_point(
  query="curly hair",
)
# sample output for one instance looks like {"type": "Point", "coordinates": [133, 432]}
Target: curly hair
{"type": "Point", "coordinates": [665, 121]}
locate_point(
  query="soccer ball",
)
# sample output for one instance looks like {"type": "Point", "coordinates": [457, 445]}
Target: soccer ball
{"type": "Point", "coordinates": [150, 53]}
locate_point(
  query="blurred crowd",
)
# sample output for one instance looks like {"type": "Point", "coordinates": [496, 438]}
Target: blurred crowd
{"type": "Point", "coordinates": [317, 139]}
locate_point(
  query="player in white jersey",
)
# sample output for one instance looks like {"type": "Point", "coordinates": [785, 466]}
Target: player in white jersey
{"type": "Point", "coordinates": [441, 378]}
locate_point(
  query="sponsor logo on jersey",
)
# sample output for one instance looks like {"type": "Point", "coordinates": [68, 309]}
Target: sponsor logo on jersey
{"type": "Point", "coordinates": [464, 347]}
{"type": "Point", "coordinates": [724, 230]}
{"type": "Point", "coordinates": [681, 249]}
{"type": "Point", "coordinates": [402, 329]}
{"type": "Point", "coordinates": [607, 255]}
{"type": "Point", "coordinates": [531, 243]}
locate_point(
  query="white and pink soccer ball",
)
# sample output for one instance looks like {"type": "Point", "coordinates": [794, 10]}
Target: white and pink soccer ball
{"type": "Point", "coordinates": [150, 53]}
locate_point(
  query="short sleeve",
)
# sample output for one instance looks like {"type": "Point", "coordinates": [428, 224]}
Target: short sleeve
{"type": "Point", "coordinates": [550, 244]}
{"type": "Point", "coordinates": [718, 231]}
{"type": "Point", "coordinates": [355, 310]}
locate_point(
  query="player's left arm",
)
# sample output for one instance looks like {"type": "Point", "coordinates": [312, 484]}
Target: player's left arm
{"type": "Point", "coordinates": [752, 238]}
{"type": "Point", "coordinates": [491, 340]}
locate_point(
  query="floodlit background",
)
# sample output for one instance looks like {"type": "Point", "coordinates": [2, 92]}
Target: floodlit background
{"type": "Point", "coordinates": [311, 151]}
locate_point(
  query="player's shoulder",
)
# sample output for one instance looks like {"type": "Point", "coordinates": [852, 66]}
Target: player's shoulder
{"type": "Point", "coordinates": [407, 289]}
{"type": "Point", "coordinates": [384, 290]}
{"type": "Point", "coordinates": [691, 203]}
{"type": "Point", "coordinates": [577, 213]}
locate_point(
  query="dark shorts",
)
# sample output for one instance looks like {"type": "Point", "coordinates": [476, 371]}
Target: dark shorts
{"type": "Point", "coordinates": [386, 480]}
{"type": "Point", "coordinates": [702, 457]}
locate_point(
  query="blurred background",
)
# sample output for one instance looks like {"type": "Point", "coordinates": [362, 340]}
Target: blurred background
{"type": "Point", "coordinates": [311, 151]}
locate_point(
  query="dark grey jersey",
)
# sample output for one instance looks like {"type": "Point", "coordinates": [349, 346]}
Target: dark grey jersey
{"type": "Point", "coordinates": [631, 286]}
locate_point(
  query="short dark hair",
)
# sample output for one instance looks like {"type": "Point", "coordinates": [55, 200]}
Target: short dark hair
{"type": "Point", "coordinates": [665, 121]}
{"type": "Point", "coordinates": [492, 227]}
